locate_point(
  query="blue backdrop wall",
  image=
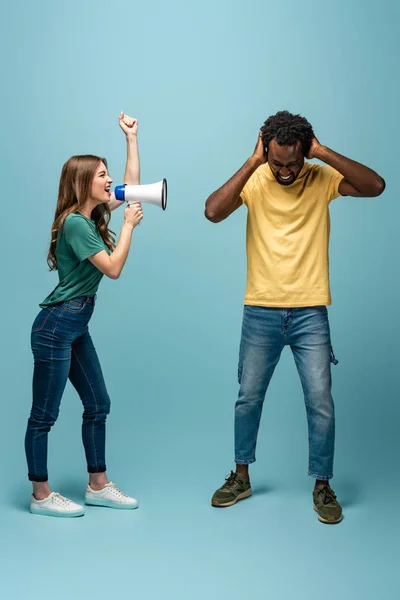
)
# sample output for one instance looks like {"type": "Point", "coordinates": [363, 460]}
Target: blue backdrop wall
{"type": "Point", "coordinates": [201, 78]}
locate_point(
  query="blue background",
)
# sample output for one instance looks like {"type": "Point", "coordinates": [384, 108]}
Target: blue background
{"type": "Point", "coordinates": [201, 78]}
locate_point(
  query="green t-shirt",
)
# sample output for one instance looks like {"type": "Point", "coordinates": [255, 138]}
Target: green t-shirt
{"type": "Point", "coordinates": [78, 240]}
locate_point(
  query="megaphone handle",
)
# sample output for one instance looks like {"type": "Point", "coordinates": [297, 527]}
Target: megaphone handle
{"type": "Point", "coordinates": [130, 204]}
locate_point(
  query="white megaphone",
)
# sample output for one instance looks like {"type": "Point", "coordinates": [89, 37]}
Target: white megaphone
{"type": "Point", "coordinates": [155, 193]}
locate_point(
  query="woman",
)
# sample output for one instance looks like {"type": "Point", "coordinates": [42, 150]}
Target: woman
{"type": "Point", "coordinates": [82, 249]}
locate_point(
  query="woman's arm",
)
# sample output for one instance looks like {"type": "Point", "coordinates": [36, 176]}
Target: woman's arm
{"type": "Point", "coordinates": [132, 170]}
{"type": "Point", "coordinates": [112, 265]}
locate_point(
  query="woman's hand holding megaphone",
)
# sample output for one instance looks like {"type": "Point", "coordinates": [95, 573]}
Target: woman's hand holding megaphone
{"type": "Point", "coordinates": [133, 214]}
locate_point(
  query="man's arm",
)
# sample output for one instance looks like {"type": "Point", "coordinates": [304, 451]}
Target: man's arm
{"type": "Point", "coordinates": [224, 201]}
{"type": "Point", "coordinates": [132, 169]}
{"type": "Point", "coordinates": [358, 180]}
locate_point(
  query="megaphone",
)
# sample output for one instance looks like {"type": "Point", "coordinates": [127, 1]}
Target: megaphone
{"type": "Point", "coordinates": [155, 193]}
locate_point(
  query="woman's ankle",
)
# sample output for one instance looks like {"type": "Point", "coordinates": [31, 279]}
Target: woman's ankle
{"type": "Point", "coordinates": [41, 490]}
{"type": "Point", "coordinates": [97, 481]}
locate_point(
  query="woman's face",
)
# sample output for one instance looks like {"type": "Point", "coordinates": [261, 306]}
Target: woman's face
{"type": "Point", "coordinates": [101, 185]}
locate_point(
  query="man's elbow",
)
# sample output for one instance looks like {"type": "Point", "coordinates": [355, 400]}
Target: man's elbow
{"type": "Point", "coordinates": [375, 188]}
{"type": "Point", "coordinates": [379, 187]}
{"type": "Point", "coordinates": [211, 216]}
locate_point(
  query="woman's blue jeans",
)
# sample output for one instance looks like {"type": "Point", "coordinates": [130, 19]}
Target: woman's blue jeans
{"type": "Point", "coordinates": [265, 332]}
{"type": "Point", "coordinates": [62, 350]}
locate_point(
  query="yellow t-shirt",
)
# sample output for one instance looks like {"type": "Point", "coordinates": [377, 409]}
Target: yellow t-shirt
{"type": "Point", "coordinates": [288, 237]}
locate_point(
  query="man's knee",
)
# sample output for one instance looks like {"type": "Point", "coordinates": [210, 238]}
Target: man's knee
{"type": "Point", "coordinates": [250, 395]}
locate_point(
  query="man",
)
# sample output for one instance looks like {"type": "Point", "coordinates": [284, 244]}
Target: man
{"type": "Point", "coordinates": [287, 288]}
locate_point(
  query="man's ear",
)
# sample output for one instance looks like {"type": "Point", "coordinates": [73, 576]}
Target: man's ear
{"type": "Point", "coordinates": [265, 150]}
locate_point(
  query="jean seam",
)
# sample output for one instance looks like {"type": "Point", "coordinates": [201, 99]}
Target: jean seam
{"type": "Point", "coordinates": [51, 309]}
{"type": "Point", "coordinates": [286, 327]}
{"type": "Point", "coordinates": [47, 391]}
{"type": "Point", "coordinates": [56, 323]}
{"type": "Point", "coordinates": [241, 359]}
{"type": "Point", "coordinates": [253, 458]}
{"type": "Point", "coordinates": [258, 428]}
{"type": "Point", "coordinates": [95, 399]}
{"type": "Point", "coordinates": [308, 425]}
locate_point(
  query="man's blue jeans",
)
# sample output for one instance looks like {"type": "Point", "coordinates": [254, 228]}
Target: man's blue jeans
{"type": "Point", "coordinates": [62, 349]}
{"type": "Point", "coordinates": [265, 332]}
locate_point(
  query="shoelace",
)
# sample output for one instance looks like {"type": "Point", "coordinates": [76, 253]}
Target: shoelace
{"type": "Point", "coordinates": [328, 495]}
{"type": "Point", "coordinates": [61, 499]}
{"type": "Point", "coordinates": [230, 480]}
{"type": "Point", "coordinates": [113, 488]}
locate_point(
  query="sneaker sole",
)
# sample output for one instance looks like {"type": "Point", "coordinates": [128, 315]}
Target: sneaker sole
{"type": "Point", "coordinates": [241, 496]}
{"type": "Point", "coordinates": [52, 513]}
{"type": "Point", "coordinates": [108, 504]}
{"type": "Point", "coordinates": [328, 521]}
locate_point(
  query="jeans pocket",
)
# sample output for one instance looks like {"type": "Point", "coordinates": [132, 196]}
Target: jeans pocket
{"type": "Point", "coordinates": [41, 319]}
{"type": "Point", "coordinates": [333, 357]}
{"type": "Point", "coordinates": [75, 305]}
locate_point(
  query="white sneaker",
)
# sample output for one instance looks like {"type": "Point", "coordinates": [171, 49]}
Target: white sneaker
{"type": "Point", "coordinates": [56, 505]}
{"type": "Point", "coordinates": [109, 496]}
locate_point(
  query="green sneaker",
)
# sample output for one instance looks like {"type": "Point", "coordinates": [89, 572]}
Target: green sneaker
{"type": "Point", "coordinates": [326, 505]}
{"type": "Point", "coordinates": [236, 487]}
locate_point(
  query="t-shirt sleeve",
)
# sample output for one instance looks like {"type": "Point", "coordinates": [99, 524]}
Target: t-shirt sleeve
{"type": "Point", "coordinates": [331, 181]}
{"type": "Point", "coordinates": [244, 194]}
{"type": "Point", "coordinates": [81, 238]}
{"type": "Point", "coordinates": [246, 191]}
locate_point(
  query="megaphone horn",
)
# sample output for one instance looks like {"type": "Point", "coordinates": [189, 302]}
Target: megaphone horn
{"type": "Point", "coordinates": [154, 193]}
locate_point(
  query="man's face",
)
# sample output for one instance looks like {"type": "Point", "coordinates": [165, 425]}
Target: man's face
{"type": "Point", "coordinates": [286, 162]}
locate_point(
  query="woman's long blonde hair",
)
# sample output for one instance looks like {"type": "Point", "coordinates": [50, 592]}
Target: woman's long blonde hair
{"type": "Point", "coordinates": [74, 190]}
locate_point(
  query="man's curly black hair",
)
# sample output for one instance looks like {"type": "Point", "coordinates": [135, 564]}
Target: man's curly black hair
{"type": "Point", "coordinates": [287, 129]}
